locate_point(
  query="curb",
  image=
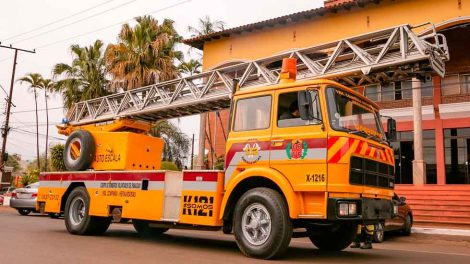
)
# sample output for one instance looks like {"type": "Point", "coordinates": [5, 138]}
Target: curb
{"type": "Point", "coordinates": [440, 231]}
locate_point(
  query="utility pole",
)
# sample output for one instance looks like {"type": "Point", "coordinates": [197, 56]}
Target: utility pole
{"type": "Point", "coordinates": [192, 152]}
{"type": "Point", "coordinates": [6, 128]}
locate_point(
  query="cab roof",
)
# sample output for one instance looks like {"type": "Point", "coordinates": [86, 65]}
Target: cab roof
{"type": "Point", "coordinates": [286, 85]}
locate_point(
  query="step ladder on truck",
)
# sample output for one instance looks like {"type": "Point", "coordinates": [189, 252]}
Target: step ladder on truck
{"type": "Point", "coordinates": [306, 156]}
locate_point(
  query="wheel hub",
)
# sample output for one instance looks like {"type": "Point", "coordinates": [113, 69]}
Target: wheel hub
{"type": "Point", "coordinates": [256, 224]}
{"type": "Point", "coordinates": [77, 211]}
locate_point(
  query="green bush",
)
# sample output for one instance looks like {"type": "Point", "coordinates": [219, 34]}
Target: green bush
{"type": "Point", "coordinates": [168, 165]}
{"type": "Point", "coordinates": [31, 176]}
{"type": "Point", "coordinates": [57, 159]}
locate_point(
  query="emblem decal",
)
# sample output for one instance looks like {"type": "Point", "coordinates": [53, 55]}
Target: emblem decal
{"type": "Point", "coordinates": [251, 154]}
{"type": "Point", "coordinates": [296, 149]}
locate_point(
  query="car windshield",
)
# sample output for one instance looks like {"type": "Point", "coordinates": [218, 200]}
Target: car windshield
{"type": "Point", "coordinates": [350, 113]}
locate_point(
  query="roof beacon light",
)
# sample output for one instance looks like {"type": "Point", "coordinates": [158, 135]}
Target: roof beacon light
{"type": "Point", "coordinates": [289, 70]}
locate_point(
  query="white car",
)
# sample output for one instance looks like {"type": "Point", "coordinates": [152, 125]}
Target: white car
{"type": "Point", "coordinates": [24, 199]}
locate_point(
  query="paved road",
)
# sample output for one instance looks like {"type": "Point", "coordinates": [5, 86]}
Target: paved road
{"type": "Point", "coordinates": [39, 239]}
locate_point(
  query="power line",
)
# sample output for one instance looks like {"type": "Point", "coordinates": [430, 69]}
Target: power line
{"type": "Point", "coordinates": [106, 27]}
{"type": "Point", "coordinates": [75, 22]}
{"type": "Point", "coordinates": [112, 25]}
{"type": "Point", "coordinates": [33, 110]}
{"type": "Point", "coordinates": [57, 21]}
{"type": "Point", "coordinates": [27, 132]}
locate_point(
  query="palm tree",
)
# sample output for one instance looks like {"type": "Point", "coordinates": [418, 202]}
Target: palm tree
{"type": "Point", "coordinates": [206, 26]}
{"type": "Point", "coordinates": [145, 54]}
{"type": "Point", "coordinates": [176, 143]}
{"type": "Point", "coordinates": [190, 67]}
{"type": "Point", "coordinates": [34, 80]}
{"type": "Point", "coordinates": [85, 78]}
{"type": "Point", "coordinates": [47, 85]}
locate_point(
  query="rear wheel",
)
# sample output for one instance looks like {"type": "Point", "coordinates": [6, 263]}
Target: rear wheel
{"type": "Point", "coordinates": [335, 239]}
{"type": "Point", "coordinates": [54, 215]}
{"type": "Point", "coordinates": [24, 211]}
{"type": "Point", "coordinates": [145, 230]}
{"type": "Point", "coordinates": [379, 232]}
{"type": "Point", "coordinates": [77, 218]}
{"type": "Point", "coordinates": [262, 225]}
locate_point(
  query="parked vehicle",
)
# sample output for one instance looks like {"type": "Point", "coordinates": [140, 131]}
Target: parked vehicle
{"type": "Point", "coordinates": [24, 199]}
{"type": "Point", "coordinates": [401, 222]}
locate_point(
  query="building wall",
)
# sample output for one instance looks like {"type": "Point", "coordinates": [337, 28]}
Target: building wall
{"type": "Point", "coordinates": [330, 27]}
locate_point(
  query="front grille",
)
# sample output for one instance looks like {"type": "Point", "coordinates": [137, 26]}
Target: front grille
{"type": "Point", "coordinates": [371, 173]}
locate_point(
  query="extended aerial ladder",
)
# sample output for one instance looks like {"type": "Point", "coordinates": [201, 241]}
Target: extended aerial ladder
{"type": "Point", "coordinates": [381, 56]}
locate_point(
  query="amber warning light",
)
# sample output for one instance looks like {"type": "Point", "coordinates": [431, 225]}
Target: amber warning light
{"type": "Point", "coordinates": [289, 70]}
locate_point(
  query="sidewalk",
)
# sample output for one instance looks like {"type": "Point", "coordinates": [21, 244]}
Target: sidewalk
{"type": "Point", "coordinates": [441, 231]}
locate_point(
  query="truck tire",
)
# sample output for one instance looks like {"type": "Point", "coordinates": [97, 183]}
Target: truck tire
{"type": "Point", "coordinates": [407, 225]}
{"type": "Point", "coordinates": [79, 151]}
{"type": "Point", "coordinates": [144, 230]}
{"type": "Point", "coordinates": [77, 218]}
{"type": "Point", "coordinates": [262, 226]}
{"type": "Point", "coordinates": [336, 239]}
{"type": "Point", "coordinates": [24, 211]}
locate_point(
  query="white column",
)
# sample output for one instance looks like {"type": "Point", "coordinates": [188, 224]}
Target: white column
{"type": "Point", "coordinates": [202, 141]}
{"type": "Point", "coordinates": [419, 167]}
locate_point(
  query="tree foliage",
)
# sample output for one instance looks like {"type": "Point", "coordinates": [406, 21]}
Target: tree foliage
{"type": "Point", "coordinates": [57, 159]}
{"type": "Point", "coordinates": [85, 78]}
{"type": "Point", "coordinates": [177, 144]}
{"type": "Point", "coordinates": [169, 165]}
{"type": "Point", "coordinates": [145, 54]}
{"type": "Point", "coordinates": [31, 176]}
{"type": "Point", "coordinates": [190, 67]}
{"type": "Point", "coordinates": [206, 26]}
{"type": "Point", "coordinates": [14, 162]}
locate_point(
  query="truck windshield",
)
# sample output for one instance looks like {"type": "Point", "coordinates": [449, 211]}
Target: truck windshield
{"type": "Point", "coordinates": [350, 113]}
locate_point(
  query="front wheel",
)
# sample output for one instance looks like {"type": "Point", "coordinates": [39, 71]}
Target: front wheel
{"type": "Point", "coordinates": [77, 218]}
{"type": "Point", "coordinates": [262, 225]}
{"type": "Point", "coordinates": [24, 211]}
{"type": "Point", "coordinates": [379, 232]}
{"type": "Point", "coordinates": [335, 239]}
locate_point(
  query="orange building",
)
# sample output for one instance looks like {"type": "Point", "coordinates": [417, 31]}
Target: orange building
{"type": "Point", "coordinates": [445, 101]}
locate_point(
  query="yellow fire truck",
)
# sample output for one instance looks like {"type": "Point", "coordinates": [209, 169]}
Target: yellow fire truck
{"type": "Point", "coordinates": [304, 158]}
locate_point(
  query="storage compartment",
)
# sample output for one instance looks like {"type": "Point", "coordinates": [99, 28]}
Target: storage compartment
{"type": "Point", "coordinates": [202, 196]}
{"type": "Point", "coordinates": [126, 151]}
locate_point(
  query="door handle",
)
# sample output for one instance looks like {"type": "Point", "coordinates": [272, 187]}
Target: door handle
{"type": "Point", "coordinates": [277, 142]}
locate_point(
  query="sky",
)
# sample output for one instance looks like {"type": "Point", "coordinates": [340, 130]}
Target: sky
{"type": "Point", "coordinates": [51, 26]}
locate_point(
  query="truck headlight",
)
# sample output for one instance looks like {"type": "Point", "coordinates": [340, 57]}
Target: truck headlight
{"type": "Point", "coordinates": [347, 209]}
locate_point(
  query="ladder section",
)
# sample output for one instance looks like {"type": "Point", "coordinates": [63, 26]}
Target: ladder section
{"type": "Point", "coordinates": [381, 56]}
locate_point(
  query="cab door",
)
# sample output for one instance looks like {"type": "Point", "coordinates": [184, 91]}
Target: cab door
{"type": "Point", "coordinates": [299, 148]}
{"type": "Point", "coordinates": [249, 140]}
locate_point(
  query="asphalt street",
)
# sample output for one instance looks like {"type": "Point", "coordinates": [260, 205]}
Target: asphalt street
{"type": "Point", "coordinates": [40, 239]}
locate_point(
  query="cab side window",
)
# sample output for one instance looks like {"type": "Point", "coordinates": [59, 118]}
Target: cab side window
{"type": "Point", "coordinates": [288, 110]}
{"type": "Point", "coordinates": [253, 113]}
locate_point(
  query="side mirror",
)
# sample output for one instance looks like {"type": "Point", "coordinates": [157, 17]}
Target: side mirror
{"type": "Point", "coordinates": [391, 129]}
{"type": "Point", "coordinates": [305, 105]}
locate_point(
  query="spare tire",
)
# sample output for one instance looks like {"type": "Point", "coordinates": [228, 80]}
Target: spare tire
{"type": "Point", "coordinates": [79, 151]}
